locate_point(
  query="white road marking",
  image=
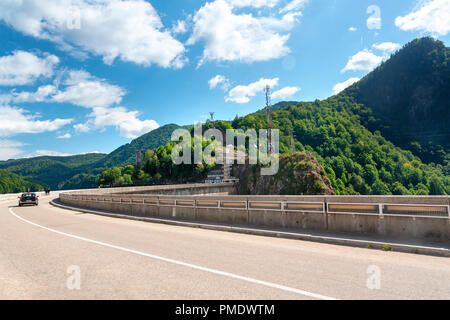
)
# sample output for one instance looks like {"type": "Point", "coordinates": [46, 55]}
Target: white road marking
{"type": "Point", "coordinates": [181, 263]}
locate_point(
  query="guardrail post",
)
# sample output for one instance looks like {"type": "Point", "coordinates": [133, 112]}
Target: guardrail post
{"type": "Point", "coordinates": [248, 211]}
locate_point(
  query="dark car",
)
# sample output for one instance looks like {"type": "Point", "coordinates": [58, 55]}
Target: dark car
{"type": "Point", "coordinates": [28, 198]}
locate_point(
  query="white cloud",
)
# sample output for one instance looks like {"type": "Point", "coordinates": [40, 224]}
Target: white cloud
{"type": "Point", "coordinates": [240, 37]}
{"type": "Point", "coordinates": [363, 61]}
{"type": "Point", "coordinates": [40, 95]}
{"type": "Point", "coordinates": [432, 16]}
{"type": "Point", "coordinates": [285, 93]}
{"type": "Point", "coordinates": [22, 68]}
{"type": "Point", "coordinates": [51, 153]}
{"type": "Point", "coordinates": [180, 27]}
{"type": "Point", "coordinates": [78, 88]}
{"type": "Point", "coordinates": [338, 87]}
{"type": "Point", "coordinates": [253, 3]}
{"type": "Point", "coordinates": [219, 79]}
{"type": "Point", "coordinates": [387, 47]}
{"type": "Point", "coordinates": [125, 121]}
{"type": "Point", "coordinates": [84, 90]}
{"type": "Point", "coordinates": [294, 5]}
{"type": "Point", "coordinates": [352, 29]}
{"type": "Point", "coordinates": [65, 136]}
{"type": "Point", "coordinates": [130, 30]}
{"type": "Point", "coordinates": [242, 94]}
{"type": "Point", "coordinates": [10, 149]}
{"type": "Point", "coordinates": [15, 120]}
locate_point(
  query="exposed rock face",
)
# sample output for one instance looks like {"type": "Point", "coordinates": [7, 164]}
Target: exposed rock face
{"type": "Point", "coordinates": [299, 174]}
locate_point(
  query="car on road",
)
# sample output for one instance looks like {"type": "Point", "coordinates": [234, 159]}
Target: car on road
{"type": "Point", "coordinates": [28, 198]}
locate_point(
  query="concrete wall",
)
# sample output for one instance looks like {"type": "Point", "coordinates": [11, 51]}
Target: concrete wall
{"type": "Point", "coordinates": [183, 207]}
{"type": "Point", "coordinates": [176, 189]}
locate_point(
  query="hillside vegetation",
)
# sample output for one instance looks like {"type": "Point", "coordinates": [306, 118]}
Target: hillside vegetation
{"type": "Point", "coordinates": [50, 171]}
{"type": "Point", "coordinates": [407, 99]}
{"type": "Point", "coordinates": [355, 160]}
{"type": "Point", "coordinates": [12, 183]}
{"type": "Point", "coordinates": [83, 171]}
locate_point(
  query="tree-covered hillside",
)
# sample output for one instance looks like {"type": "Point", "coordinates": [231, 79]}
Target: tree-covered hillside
{"type": "Point", "coordinates": [407, 99]}
{"type": "Point", "coordinates": [12, 183]}
{"type": "Point", "coordinates": [126, 154]}
{"type": "Point", "coordinates": [356, 160]}
{"type": "Point", "coordinates": [83, 171]}
{"type": "Point", "coordinates": [50, 171]}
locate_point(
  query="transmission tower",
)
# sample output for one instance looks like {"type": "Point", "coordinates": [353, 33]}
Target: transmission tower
{"type": "Point", "coordinates": [269, 119]}
{"type": "Point", "coordinates": [212, 118]}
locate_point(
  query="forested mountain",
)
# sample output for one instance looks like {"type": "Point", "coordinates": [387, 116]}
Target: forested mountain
{"type": "Point", "coordinates": [407, 99]}
{"type": "Point", "coordinates": [12, 183]}
{"type": "Point", "coordinates": [126, 154]}
{"type": "Point", "coordinates": [83, 171]}
{"type": "Point", "coordinates": [49, 170]}
{"type": "Point", "coordinates": [277, 106]}
{"type": "Point", "coordinates": [355, 160]}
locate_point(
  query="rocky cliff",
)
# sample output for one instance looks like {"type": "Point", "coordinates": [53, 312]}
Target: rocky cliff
{"type": "Point", "coordinates": [299, 174]}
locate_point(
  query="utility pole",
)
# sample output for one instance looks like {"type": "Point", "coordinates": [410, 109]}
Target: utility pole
{"type": "Point", "coordinates": [269, 119]}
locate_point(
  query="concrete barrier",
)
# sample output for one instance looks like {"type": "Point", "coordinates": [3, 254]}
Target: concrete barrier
{"type": "Point", "coordinates": [401, 217]}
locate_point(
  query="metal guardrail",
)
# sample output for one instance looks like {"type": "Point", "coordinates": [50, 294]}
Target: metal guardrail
{"type": "Point", "coordinates": [379, 209]}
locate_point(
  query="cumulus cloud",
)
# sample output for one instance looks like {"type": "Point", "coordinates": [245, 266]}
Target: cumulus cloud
{"type": "Point", "coordinates": [242, 94]}
{"type": "Point", "coordinates": [219, 80]}
{"type": "Point", "coordinates": [10, 149]}
{"type": "Point", "coordinates": [16, 120]}
{"type": "Point", "coordinates": [22, 68]}
{"type": "Point", "coordinates": [387, 47]}
{"type": "Point", "coordinates": [253, 3]}
{"type": "Point", "coordinates": [285, 93]}
{"type": "Point", "coordinates": [79, 88]}
{"type": "Point", "coordinates": [294, 5]}
{"type": "Point", "coordinates": [240, 37]}
{"type": "Point", "coordinates": [51, 153]}
{"type": "Point", "coordinates": [85, 90]}
{"type": "Point", "coordinates": [431, 16]}
{"type": "Point", "coordinates": [338, 87]}
{"type": "Point", "coordinates": [65, 136]}
{"type": "Point", "coordinates": [127, 122]}
{"type": "Point", "coordinates": [129, 30]}
{"type": "Point", "coordinates": [363, 61]}
{"type": "Point", "coordinates": [180, 27]}
{"type": "Point", "coordinates": [352, 29]}
{"type": "Point", "coordinates": [40, 95]}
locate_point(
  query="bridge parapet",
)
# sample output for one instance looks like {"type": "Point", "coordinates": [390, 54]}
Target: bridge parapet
{"type": "Point", "coordinates": [422, 217]}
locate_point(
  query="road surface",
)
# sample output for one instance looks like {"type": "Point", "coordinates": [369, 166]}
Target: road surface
{"type": "Point", "coordinates": [52, 253]}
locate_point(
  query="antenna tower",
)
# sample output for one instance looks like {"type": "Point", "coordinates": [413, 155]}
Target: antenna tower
{"type": "Point", "coordinates": [269, 118]}
{"type": "Point", "coordinates": [212, 118]}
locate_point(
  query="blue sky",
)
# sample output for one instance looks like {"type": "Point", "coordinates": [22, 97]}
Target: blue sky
{"type": "Point", "coordinates": [80, 76]}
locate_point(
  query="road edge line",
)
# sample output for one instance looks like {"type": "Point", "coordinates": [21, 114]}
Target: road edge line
{"type": "Point", "coordinates": [181, 263]}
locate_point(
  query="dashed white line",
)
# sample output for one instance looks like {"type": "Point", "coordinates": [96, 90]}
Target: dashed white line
{"type": "Point", "coordinates": [181, 263]}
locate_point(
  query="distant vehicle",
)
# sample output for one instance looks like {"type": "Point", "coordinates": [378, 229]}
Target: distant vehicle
{"type": "Point", "coordinates": [28, 198]}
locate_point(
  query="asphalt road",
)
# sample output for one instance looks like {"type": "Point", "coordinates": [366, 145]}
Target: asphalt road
{"type": "Point", "coordinates": [43, 248]}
